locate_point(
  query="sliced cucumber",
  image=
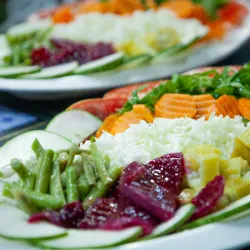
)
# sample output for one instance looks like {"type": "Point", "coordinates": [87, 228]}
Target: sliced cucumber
{"type": "Point", "coordinates": [181, 216]}
{"type": "Point", "coordinates": [87, 239]}
{"type": "Point", "coordinates": [230, 211]}
{"type": "Point", "coordinates": [15, 71]}
{"type": "Point", "coordinates": [20, 147]}
{"type": "Point", "coordinates": [136, 61]}
{"type": "Point", "coordinates": [54, 71]}
{"type": "Point", "coordinates": [105, 63]}
{"type": "Point", "coordinates": [76, 125]}
{"type": "Point", "coordinates": [28, 28]}
{"type": "Point", "coordinates": [172, 51]}
{"type": "Point", "coordinates": [14, 225]}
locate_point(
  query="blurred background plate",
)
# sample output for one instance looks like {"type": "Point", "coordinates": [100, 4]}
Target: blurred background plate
{"type": "Point", "coordinates": [74, 86]}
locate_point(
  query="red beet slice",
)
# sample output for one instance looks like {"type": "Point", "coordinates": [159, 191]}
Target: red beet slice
{"type": "Point", "coordinates": [136, 184]}
{"type": "Point", "coordinates": [208, 197]}
{"type": "Point", "coordinates": [68, 217]}
{"type": "Point", "coordinates": [168, 171]}
{"type": "Point", "coordinates": [97, 214]}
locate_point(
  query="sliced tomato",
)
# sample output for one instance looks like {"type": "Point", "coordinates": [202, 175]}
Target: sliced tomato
{"type": "Point", "coordinates": [99, 107]}
{"type": "Point", "coordinates": [218, 69]}
{"type": "Point", "coordinates": [126, 92]}
{"type": "Point", "coordinates": [233, 13]}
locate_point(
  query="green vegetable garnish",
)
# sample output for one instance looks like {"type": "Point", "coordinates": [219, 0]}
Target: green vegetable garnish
{"type": "Point", "coordinates": [226, 83]}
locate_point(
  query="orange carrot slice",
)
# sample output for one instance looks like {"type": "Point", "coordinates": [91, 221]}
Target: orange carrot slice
{"type": "Point", "coordinates": [175, 106]}
{"type": "Point", "coordinates": [182, 8]}
{"type": "Point", "coordinates": [203, 102]}
{"type": "Point", "coordinates": [107, 125]}
{"type": "Point", "coordinates": [139, 112]}
{"type": "Point", "coordinates": [225, 105]}
{"type": "Point", "coordinates": [244, 107]}
{"type": "Point", "coordinates": [63, 15]}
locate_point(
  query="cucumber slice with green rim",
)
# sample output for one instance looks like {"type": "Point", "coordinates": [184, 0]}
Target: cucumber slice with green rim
{"type": "Point", "coordinates": [233, 209]}
{"type": "Point", "coordinates": [76, 125]}
{"type": "Point", "coordinates": [88, 239]}
{"type": "Point", "coordinates": [136, 61]}
{"type": "Point", "coordinates": [105, 63]}
{"type": "Point", "coordinates": [54, 71]}
{"type": "Point", "coordinates": [180, 217]}
{"type": "Point", "coordinates": [173, 50]}
{"type": "Point", "coordinates": [20, 147]}
{"type": "Point", "coordinates": [28, 28]}
{"type": "Point", "coordinates": [14, 225]}
{"type": "Point", "coordinates": [15, 71]}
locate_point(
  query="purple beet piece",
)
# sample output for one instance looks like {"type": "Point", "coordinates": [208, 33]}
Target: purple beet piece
{"type": "Point", "coordinates": [137, 185]}
{"type": "Point", "coordinates": [168, 171]}
{"type": "Point", "coordinates": [208, 197]}
{"type": "Point", "coordinates": [67, 217]}
{"type": "Point", "coordinates": [97, 214]}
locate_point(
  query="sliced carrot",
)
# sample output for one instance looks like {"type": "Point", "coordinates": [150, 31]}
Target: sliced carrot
{"type": "Point", "coordinates": [225, 105]}
{"type": "Point", "coordinates": [107, 125]}
{"type": "Point", "coordinates": [63, 15]}
{"type": "Point", "coordinates": [183, 8]}
{"type": "Point", "coordinates": [139, 112]}
{"type": "Point", "coordinates": [230, 105]}
{"type": "Point", "coordinates": [175, 106]}
{"type": "Point", "coordinates": [203, 102]}
{"type": "Point", "coordinates": [244, 107]}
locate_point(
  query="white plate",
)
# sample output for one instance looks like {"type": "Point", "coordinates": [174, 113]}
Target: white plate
{"type": "Point", "coordinates": [72, 86]}
{"type": "Point", "coordinates": [218, 236]}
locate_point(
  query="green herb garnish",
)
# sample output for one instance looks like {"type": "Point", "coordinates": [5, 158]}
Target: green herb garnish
{"type": "Point", "coordinates": [226, 83]}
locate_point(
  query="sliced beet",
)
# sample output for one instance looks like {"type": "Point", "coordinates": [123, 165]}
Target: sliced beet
{"type": "Point", "coordinates": [68, 217]}
{"type": "Point", "coordinates": [97, 214]}
{"type": "Point", "coordinates": [137, 185]}
{"type": "Point", "coordinates": [208, 197]}
{"type": "Point", "coordinates": [168, 171]}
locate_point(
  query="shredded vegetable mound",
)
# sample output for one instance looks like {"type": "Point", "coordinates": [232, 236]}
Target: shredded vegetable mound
{"type": "Point", "coordinates": [143, 142]}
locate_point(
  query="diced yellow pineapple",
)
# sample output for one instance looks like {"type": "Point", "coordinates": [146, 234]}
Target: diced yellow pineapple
{"type": "Point", "coordinates": [209, 167]}
{"type": "Point", "coordinates": [241, 150]}
{"type": "Point", "coordinates": [193, 152]}
{"type": "Point", "coordinates": [245, 138]}
{"type": "Point", "coordinates": [243, 189]}
{"type": "Point", "coordinates": [186, 195]}
{"type": "Point", "coordinates": [238, 188]}
{"type": "Point", "coordinates": [232, 168]}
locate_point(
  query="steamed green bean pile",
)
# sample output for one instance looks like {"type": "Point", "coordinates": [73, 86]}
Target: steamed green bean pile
{"type": "Point", "coordinates": [58, 178]}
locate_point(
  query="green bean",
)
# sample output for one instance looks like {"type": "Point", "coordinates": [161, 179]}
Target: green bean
{"type": "Point", "coordinates": [43, 176]}
{"type": "Point", "coordinates": [115, 173]}
{"type": "Point", "coordinates": [83, 186]}
{"type": "Point", "coordinates": [72, 153]}
{"type": "Point", "coordinates": [16, 55]}
{"type": "Point", "coordinates": [30, 181]}
{"type": "Point", "coordinates": [24, 201]}
{"type": "Point", "coordinates": [107, 161]}
{"type": "Point", "coordinates": [100, 164]}
{"type": "Point", "coordinates": [19, 168]}
{"type": "Point", "coordinates": [1, 174]}
{"type": "Point", "coordinates": [7, 190]}
{"type": "Point", "coordinates": [56, 188]}
{"type": "Point", "coordinates": [98, 191]}
{"type": "Point", "coordinates": [63, 178]}
{"type": "Point", "coordinates": [101, 189]}
{"type": "Point", "coordinates": [71, 185]}
{"type": "Point", "coordinates": [43, 201]}
{"type": "Point", "coordinates": [63, 158]}
{"type": "Point", "coordinates": [89, 171]}
{"type": "Point", "coordinates": [37, 148]}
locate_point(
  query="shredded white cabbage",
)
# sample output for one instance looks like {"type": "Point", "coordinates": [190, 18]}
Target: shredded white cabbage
{"type": "Point", "coordinates": [143, 142]}
{"type": "Point", "coordinates": [96, 27]}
